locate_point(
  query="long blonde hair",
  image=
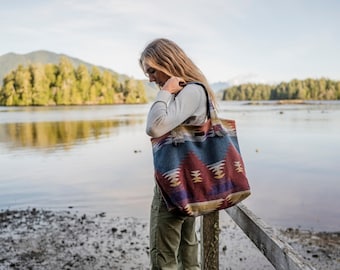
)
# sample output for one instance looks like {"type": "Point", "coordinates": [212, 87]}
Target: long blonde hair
{"type": "Point", "coordinates": [166, 56]}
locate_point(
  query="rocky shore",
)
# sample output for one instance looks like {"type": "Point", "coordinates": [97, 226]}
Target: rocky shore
{"type": "Point", "coordinates": [42, 239]}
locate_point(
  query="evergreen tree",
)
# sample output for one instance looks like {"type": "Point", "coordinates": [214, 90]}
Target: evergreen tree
{"type": "Point", "coordinates": [40, 84]}
{"type": "Point", "coordinates": [84, 82]}
{"type": "Point", "coordinates": [22, 84]}
{"type": "Point", "coordinates": [62, 84]}
{"type": "Point", "coordinates": [108, 90]}
{"type": "Point", "coordinates": [51, 73]}
{"type": "Point", "coordinates": [8, 95]}
{"type": "Point", "coordinates": [309, 89]}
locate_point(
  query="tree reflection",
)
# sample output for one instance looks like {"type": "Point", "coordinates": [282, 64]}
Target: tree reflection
{"type": "Point", "coordinates": [61, 134]}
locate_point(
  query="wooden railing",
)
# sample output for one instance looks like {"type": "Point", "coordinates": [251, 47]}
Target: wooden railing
{"type": "Point", "coordinates": [279, 253]}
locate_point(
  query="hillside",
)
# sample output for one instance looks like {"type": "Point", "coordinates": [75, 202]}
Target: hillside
{"type": "Point", "coordinates": [11, 61]}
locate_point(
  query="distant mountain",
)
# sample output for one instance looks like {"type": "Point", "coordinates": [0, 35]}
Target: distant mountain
{"type": "Point", "coordinates": [11, 61]}
{"type": "Point", "coordinates": [218, 86]}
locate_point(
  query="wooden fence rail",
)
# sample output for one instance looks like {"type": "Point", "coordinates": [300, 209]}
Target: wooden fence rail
{"type": "Point", "coordinates": [279, 253]}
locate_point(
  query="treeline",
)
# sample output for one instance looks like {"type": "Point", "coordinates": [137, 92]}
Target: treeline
{"type": "Point", "coordinates": [309, 89]}
{"type": "Point", "coordinates": [63, 84]}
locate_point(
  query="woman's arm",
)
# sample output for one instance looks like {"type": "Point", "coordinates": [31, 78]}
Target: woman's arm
{"type": "Point", "coordinates": [168, 111]}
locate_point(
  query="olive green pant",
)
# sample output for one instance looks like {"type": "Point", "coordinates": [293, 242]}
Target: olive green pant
{"type": "Point", "coordinates": [173, 240]}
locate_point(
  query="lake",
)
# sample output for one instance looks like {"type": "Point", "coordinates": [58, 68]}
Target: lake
{"type": "Point", "coordinates": [98, 159]}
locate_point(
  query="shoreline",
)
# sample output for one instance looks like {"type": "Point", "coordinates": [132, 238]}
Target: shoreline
{"type": "Point", "coordinates": [45, 239]}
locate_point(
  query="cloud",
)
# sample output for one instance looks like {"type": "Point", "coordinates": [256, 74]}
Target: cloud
{"type": "Point", "coordinates": [226, 38]}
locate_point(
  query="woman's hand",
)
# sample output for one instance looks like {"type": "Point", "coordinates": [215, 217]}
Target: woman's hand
{"type": "Point", "coordinates": [174, 85]}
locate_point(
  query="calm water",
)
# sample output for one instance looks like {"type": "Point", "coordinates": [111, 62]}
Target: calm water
{"type": "Point", "coordinates": [98, 159]}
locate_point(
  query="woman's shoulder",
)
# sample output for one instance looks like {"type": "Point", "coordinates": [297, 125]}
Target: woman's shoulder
{"type": "Point", "coordinates": [194, 89]}
{"type": "Point", "coordinates": [195, 85]}
{"type": "Point", "coordinates": [193, 95]}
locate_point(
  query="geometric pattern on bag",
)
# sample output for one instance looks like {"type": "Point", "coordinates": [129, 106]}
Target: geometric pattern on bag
{"type": "Point", "coordinates": [199, 169]}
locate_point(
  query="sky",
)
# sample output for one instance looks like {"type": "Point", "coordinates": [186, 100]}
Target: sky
{"type": "Point", "coordinates": [235, 41]}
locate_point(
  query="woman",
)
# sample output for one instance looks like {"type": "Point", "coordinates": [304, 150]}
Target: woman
{"type": "Point", "coordinates": [173, 240]}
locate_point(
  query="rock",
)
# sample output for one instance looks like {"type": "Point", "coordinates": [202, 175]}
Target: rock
{"type": "Point", "coordinates": [45, 240]}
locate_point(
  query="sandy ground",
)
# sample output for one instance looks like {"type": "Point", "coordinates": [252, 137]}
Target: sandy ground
{"type": "Point", "coordinates": [41, 239]}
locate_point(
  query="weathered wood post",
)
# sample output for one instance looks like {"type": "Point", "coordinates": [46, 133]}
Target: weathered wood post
{"type": "Point", "coordinates": [209, 241]}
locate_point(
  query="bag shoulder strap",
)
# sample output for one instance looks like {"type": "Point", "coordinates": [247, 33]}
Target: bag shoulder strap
{"type": "Point", "coordinates": [211, 111]}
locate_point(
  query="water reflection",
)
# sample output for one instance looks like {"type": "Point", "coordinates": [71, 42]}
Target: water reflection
{"type": "Point", "coordinates": [62, 134]}
{"type": "Point", "coordinates": [98, 158]}
{"type": "Point", "coordinates": [93, 158]}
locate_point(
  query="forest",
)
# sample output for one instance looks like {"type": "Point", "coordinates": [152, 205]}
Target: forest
{"type": "Point", "coordinates": [64, 84]}
{"type": "Point", "coordinates": [308, 89]}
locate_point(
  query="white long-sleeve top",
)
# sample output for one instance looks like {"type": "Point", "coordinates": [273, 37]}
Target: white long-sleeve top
{"type": "Point", "coordinates": [168, 111]}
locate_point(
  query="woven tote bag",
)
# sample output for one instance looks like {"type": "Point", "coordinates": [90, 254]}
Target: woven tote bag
{"type": "Point", "coordinates": [199, 169]}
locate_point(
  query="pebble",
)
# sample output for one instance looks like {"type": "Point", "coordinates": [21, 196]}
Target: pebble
{"type": "Point", "coordinates": [45, 240]}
